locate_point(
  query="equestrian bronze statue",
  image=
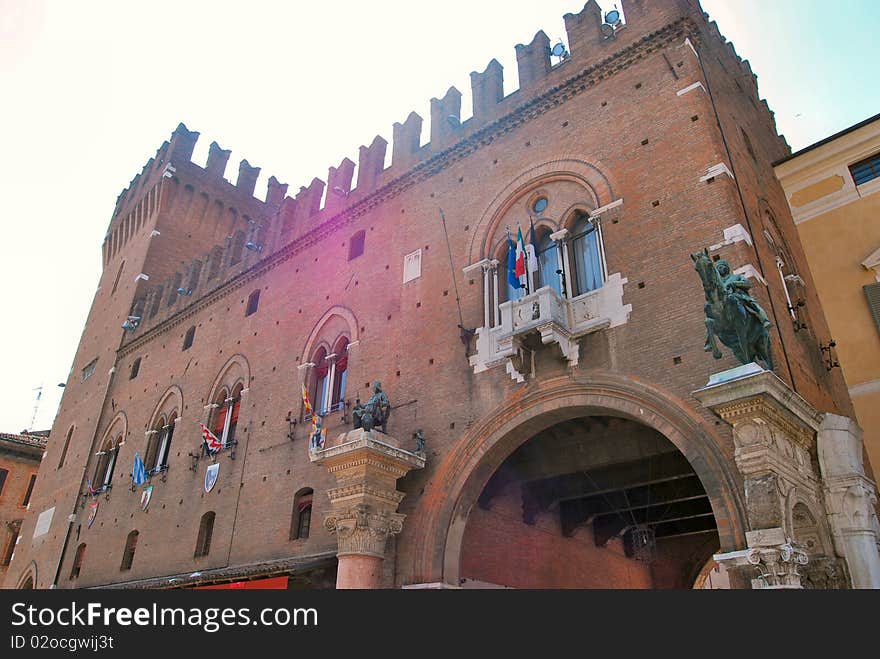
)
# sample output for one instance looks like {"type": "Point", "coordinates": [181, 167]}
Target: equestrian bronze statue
{"type": "Point", "coordinates": [732, 314]}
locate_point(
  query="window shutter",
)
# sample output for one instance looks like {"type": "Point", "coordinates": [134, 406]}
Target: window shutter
{"type": "Point", "coordinates": [220, 420]}
{"type": "Point", "coordinates": [872, 292]}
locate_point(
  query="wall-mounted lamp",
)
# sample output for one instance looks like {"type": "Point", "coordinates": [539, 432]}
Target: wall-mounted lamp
{"type": "Point", "coordinates": [340, 191]}
{"type": "Point", "coordinates": [131, 323]}
{"type": "Point", "coordinates": [829, 358]}
{"type": "Point", "coordinates": [184, 291]}
{"type": "Point", "coordinates": [454, 121]}
{"type": "Point", "coordinates": [254, 247]}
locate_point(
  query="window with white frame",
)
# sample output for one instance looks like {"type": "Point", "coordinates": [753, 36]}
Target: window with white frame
{"type": "Point", "coordinates": [225, 416]}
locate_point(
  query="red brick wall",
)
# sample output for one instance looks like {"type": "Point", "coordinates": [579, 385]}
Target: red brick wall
{"type": "Point", "coordinates": [409, 336]}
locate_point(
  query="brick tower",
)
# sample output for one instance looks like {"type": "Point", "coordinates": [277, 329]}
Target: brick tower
{"type": "Point", "coordinates": [572, 433]}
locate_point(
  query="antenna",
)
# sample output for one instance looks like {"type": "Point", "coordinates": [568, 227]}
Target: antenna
{"type": "Point", "coordinates": [39, 391]}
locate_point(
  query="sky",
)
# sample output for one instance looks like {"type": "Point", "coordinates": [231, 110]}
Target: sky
{"type": "Point", "coordinates": [91, 89]}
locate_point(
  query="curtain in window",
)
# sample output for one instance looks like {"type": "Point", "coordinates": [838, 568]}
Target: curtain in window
{"type": "Point", "coordinates": [548, 261]}
{"type": "Point", "coordinates": [587, 262]}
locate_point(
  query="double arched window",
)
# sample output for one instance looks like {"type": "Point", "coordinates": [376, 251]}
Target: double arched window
{"type": "Point", "coordinates": [329, 377]}
{"type": "Point", "coordinates": [106, 464]}
{"type": "Point", "coordinates": [226, 404]}
{"type": "Point", "coordinates": [159, 445]}
{"type": "Point", "coordinates": [585, 259]}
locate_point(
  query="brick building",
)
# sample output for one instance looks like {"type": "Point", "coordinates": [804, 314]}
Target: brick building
{"type": "Point", "coordinates": [575, 436]}
{"type": "Point", "coordinates": [20, 457]}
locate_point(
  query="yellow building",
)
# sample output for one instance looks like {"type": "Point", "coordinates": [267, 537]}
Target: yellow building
{"type": "Point", "coordinates": [833, 188]}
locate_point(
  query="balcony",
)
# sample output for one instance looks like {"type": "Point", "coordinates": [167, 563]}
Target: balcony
{"type": "Point", "coordinates": [557, 319]}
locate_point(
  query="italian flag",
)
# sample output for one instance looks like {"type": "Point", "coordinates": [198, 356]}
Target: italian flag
{"type": "Point", "coordinates": [520, 259]}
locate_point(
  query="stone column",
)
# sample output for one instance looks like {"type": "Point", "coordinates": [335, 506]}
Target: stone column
{"type": "Point", "coordinates": [363, 505]}
{"type": "Point", "coordinates": [774, 435]}
{"type": "Point", "coordinates": [495, 300]}
{"type": "Point", "coordinates": [561, 238]}
{"type": "Point", "coordinates": [482, 266]}
{"type": "Point", "coordinates": [850, 497]}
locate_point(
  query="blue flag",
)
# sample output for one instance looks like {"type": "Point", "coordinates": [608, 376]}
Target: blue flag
{"type": "Point", "coordinates": [138, 472]}
{"type": "Point", "coordinates": [512, 279]}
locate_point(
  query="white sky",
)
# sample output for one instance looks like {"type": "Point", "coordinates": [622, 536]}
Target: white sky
{"type": "Point", "coordinates": [91, 89]}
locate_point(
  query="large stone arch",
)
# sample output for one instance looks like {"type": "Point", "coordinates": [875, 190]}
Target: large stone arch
{"type": "Point", "coordinates": [437, 531]}
{"type": "Point", "coordinates": [596, 183]}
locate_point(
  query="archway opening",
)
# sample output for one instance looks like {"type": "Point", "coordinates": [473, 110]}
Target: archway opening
{"type": "Point", "coordinates": [590, 502]}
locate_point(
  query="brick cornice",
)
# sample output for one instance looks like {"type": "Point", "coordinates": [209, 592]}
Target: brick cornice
{"type": "Point", "coordinates": [528, 111]}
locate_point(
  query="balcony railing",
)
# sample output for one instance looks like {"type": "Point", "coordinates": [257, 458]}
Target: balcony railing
{"type": "Point", "coordinates": [557, 319]}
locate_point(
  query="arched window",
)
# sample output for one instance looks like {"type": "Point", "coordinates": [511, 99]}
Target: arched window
{"type": "Point", "coordinates": [339, 374]}
{"type": "Point", "coordinates": [78, 561]}
{"type": "Point", "coordinates": [302, 514]}
{"type": "Point", "coordinates": [548, 262]}
{"type": "Point", "coordinates": [135, 369]}
{"type": "Point", "coordinates": [206, 530]}
{"type": "Point", "coordinates": [586, 256]}
{"type": "Point", "coordinates": [237, 247]}
{"type": "Point", "coordinates": [128, 552]}
{"type": "Point", "coordinates": [189, 337]}
{"type": "Point", "coordinates": [66, 446]}
{"type": "Point", "coordinates": [157, 300]}
{"type": "Point", "coordinates": [320, 380]}
{"type": "Point", "coordinates": [226, 414]}
{"type": "Point", "coordinates": [159, 445]}
{"type": "Point", "coordinates": [106, 465]}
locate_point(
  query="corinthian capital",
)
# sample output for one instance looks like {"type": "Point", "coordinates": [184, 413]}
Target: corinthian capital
{"type": "Point", "coordinates": [361, 530]}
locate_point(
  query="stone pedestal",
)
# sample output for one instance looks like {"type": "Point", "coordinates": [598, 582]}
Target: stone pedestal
{"type": "Point", "coordinates": [363, 505]}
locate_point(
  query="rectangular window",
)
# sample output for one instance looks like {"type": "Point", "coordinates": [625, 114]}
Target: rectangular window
{"type": "Point", "coordinates": [10, 545]}
{"type": "Point", "coordinates": [3, 474]}
{"type": "Point", "coordinates": [30, 488]}
{"type": "Point", "coordinates": [89, 370]}
{"type": "Point", "coordinates": [866, 170]}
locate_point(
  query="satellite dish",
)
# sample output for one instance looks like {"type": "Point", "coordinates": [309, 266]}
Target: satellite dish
{"type": "Point", "coordinates": [607, 30]}
{"type": "Point", "coordinates": [558, 50]}
{"type": "Point", "coordinates": [612, 17]}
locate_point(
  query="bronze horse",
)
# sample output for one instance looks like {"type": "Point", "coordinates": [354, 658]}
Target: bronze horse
{"type": "Point", "coordinates": [731, 316]}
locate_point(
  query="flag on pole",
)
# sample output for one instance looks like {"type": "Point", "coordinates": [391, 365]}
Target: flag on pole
{"type": "Point", "coordinates": [512, 279]}
{"type": "Point", "coordinates": [139, 471]}
{"type": "Point", "coordinates": [307, 407]}
{"type": "Point", "coordinates": [521, 260]}
{"type": "Point", "coordinates": [212, 444]}
{"type": "Point", "coordinates": [532, 254]}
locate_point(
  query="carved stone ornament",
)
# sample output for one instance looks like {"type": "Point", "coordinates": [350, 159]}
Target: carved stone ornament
{"type": "Point", "coordinates": [825, 574]}
{"type": "Point", "coordinates": [361, 531]}
{"type": "Point", "coordinates": [777, 566]}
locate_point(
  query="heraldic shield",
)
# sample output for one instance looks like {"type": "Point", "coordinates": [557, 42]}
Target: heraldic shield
{"type": "Point", "coordinates": [211, 476]}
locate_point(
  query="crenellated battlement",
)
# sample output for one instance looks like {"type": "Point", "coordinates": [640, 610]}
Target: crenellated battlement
{"type": "Point", "coordinates": [593, 57]}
